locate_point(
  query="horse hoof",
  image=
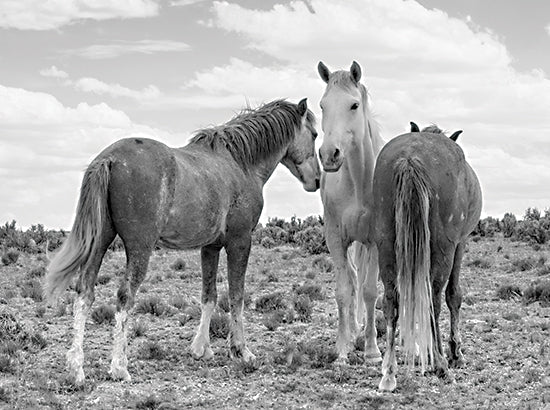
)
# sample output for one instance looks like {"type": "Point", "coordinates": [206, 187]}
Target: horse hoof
{"type": "Point", "coordinates": [342, 361]}
{"type": "Point", "coordinates": [387, 383]}
{"type": "Point", "coordinates": [373, 359]}
{"type": "Point", "coordinates": [242, 353]}
{"type": "Point", "coordinates": [78, 377]}
{"type": "Point", "coordinates": [201, 350]}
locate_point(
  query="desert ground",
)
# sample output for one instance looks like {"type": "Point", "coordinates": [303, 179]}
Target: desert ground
{"type": "Point", "coordinates": [290, 320]}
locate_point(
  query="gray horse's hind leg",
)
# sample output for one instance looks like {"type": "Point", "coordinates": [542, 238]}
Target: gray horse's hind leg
{"type": "Point", "coordinates": [441, 266]}
{"type": "Point", "coordinates": [453, 297]}
{"type": "Point", "coordinates": [137, 260]}
{"type": "Point", "coordinates": [210, 255]}
{"type": "Point", "coordinates": [82, 305]}
{"type": "Point", "coordinates": [370, 295]}
{"type": "Point", "coordinates": [238, 251]}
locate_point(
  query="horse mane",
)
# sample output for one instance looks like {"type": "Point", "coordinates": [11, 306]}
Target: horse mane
{"type": "Point", "coordinates": [254, 134]}
{"type": "Point", "coordinates": [434, 129]}
{"type": "Point", "coordinates": [343, 80]}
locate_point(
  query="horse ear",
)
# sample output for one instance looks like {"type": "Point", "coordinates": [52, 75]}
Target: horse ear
{"type": "Point", "coordinates": [355, 71]}
{"type": "Point", "coordinates": [414, 127]}
{"type": "Point", "coordinates": [302, 107]}
{"type": "Point", "coordinates": [324, 72]}
{"type": "Point", "coordinates": [455, 135]}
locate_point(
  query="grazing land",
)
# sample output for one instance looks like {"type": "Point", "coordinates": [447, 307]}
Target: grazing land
{"type": "Point", "coordinates": [290, 320]}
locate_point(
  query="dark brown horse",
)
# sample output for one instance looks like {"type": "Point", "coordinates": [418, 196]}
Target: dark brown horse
{"type": "Point", "coordinates": [206, 195]}
{"type": "Point", "coordinates": [427, 200]}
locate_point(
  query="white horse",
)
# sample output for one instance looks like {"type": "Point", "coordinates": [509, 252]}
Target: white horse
{"type": "Point", "coordinates": [350, 146]}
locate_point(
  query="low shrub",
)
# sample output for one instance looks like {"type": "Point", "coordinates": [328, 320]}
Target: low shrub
{"type": "Point", "coordinates": [153, 305]}
{"type": "Point", "coordinates": [270, 302]}
{"type": "Point", "coordinates": [103, 314]}
{"type": "Point", "coordinates": [151, 350]}
{"type": "Point", "coordinates": [303, 307]}
{"type": "Point", "coordinates": [323, 263]}
{"type": "Point", "coordinates": [179, 265]}
{"type": "Point", "coordinates": [219, 325]}
{"type": "Point", "coordinates": [508, 291]}
{"type": "Point", "coordinates": [10, 257]}
{"type": "Point", "coordinates": [32, 289]}
{"type": "Point", "coordinates": [537, 292]}
{"type": "Point", "coordinates": [314, 291]}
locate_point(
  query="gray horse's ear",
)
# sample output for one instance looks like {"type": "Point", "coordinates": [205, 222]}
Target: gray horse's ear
{"type": "Point", "coordinates": [455, 135]}
{"type": "Point", "coordinates": [302, 107]}
{"type": "Point", "coordinates": [324, 72]}
{"type": "Point", "coordinates": [414, 127]}
{"type": "Point", "coordinates": [355, 71]}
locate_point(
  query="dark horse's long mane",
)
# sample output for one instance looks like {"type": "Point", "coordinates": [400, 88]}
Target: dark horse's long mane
{"type": "Point", "coordinates": [255, 134]}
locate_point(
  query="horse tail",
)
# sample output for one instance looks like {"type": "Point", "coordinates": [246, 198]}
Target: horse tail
{"type": "Point", "coordinates": [412, 248]}
{"type": "Point", "coordinates": [77, 251]}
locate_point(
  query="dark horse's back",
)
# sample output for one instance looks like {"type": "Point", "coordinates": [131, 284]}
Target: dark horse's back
{"type": "Point", "coordinates": [457, 193]}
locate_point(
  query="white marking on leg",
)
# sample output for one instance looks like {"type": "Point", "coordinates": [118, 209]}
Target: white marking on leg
{"type": "Point", "coordinates": [237, 340]}
{"type": "Point", "coordinates": [119, 363]}
{"type": "Point", "coordinates": [201, 343]}
{"type": "Point", "coordinates": [75, 355]}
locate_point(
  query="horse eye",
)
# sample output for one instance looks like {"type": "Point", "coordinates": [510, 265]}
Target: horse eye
{"type": "Point", "coordinates": [354, 106]}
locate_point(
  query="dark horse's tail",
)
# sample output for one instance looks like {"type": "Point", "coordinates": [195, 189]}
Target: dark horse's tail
{"type": "Point", "coordinates": [412, 248]}
{"type": "Point", "coordinates": [81, 245]}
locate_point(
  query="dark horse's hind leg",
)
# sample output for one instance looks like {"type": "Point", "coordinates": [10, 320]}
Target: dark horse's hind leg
{"type": "Point", "coordinates": [238, 250]}
{"type": "Point", "coordinates": [137, 260]}
{"type": "Point", "coordinates": [83, 303]}
{"type": "Point", "coordinates": [442, 259]}
{"type": "Point", "coordinates": [453, 297]}
{"type": "Point", "coordinates": [210, 256]}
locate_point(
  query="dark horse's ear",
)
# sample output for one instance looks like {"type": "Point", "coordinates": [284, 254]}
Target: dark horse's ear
{"type": "Point", "coordinates": [455, 135]}
{"type": "Point", "coordinates": [355, 71]}
{"type": "Point", "coordinates": [324, 72]}
{"type": "Point", "coordinates": [302, 107]}
{"type": "Point", "coordinates": [414, 127]}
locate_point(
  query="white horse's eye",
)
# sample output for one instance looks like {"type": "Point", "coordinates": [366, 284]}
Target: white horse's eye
{"type": "Point", "coordinates": [354, 106]}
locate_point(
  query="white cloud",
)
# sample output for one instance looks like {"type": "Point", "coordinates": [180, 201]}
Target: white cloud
{"type": "Point", "coordinates": [53, 14]}
{"type": "Point", "coordinates": [92, 85]}
{"type": "Point", "coordinates": [45, 146]}
{"type": "Point", "coordinates": [103, 51]}
{"type": "Point", "coordinates": [257, 84]}
{"type": "Point", "coordinates": [54, 72]}
{"type": "Point", "coordinates": [179, 3]}
{"type": "Point", "coordinates": [419, 65]}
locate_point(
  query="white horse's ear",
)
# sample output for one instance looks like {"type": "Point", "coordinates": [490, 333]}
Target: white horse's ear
{"type": "Point", "coordinates": [355, 71]}
{"type": "Point", "coordinates": [324, 72]}
{"type": "Point", "coordinates": [302, 107]}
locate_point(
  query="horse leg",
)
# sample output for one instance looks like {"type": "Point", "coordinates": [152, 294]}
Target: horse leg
{"type": "Point", "coordinates": [440, 270]}
{"type": "Point", "coordinates": [391, 312]}
{"type": "Point", "coordinates": [200, 347]}
{"type": "Point", "coordinates": [346, 287]}
{"type": "Point", "coordinates": [238, 250]}
{"type": "Point", "coordinates": [82, 305]}
{"type": "Point", "coordinates": [370, 294]}
{"type": "Point", "coordinates": [453, 297]}
{"type": "Point", "coordinates": [137, 260]}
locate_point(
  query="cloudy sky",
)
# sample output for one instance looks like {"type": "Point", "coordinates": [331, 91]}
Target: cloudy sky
{"type": "Point", "coordinates": [77, 75]}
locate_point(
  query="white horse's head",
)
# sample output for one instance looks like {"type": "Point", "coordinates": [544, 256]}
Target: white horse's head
{"type": "Point", "coordinates": [344, 106]}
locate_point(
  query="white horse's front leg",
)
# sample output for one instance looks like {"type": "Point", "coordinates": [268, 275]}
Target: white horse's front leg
{"type": "Point", "coordinates": [346, 288]}
{"type": "Point", "coordinates": [200, 348]}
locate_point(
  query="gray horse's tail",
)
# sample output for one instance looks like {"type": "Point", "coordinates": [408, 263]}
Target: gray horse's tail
{"type": "Point", "coordinates": [412, 247]}
{"type": "Point", "coordinates": [76, 252]}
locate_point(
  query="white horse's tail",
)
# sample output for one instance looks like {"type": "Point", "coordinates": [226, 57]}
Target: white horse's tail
{"type": "Point", "coordinates": [412, 248]}
{"type": "Point", "coordinates": [359, 259]}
